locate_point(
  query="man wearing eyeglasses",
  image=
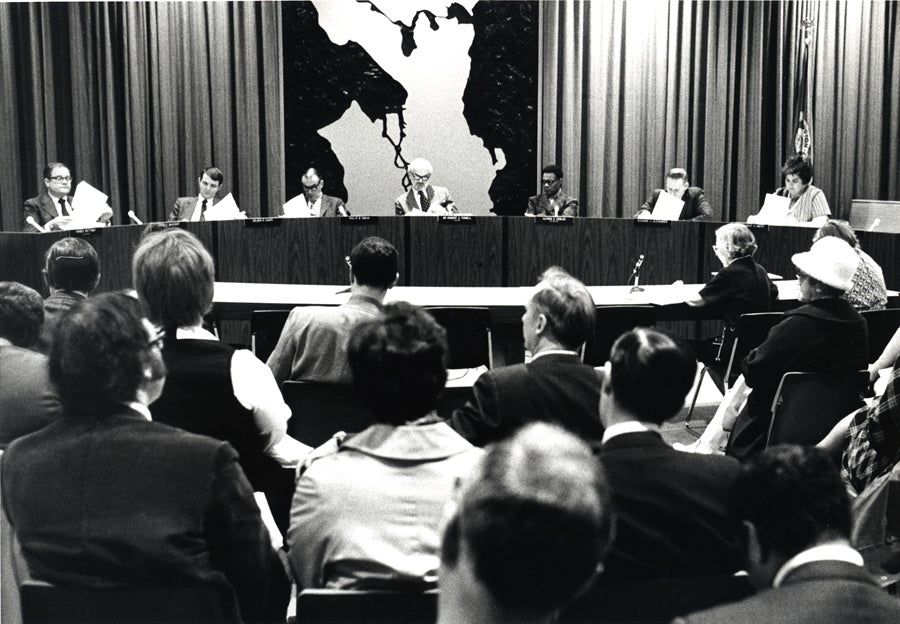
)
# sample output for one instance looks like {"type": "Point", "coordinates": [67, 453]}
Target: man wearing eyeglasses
{"type": "Point", "coordinates": [313, 202]}
{"type": "Point", "coordinates": [53, 202]}
{"type": "Point", "coordinates": [552, 202]}
{"type": "Point", "coordinates": [422, 197]}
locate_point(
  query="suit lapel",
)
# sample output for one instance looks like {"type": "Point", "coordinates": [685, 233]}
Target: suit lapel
{"type": "Point", "coordinates": [48, 206]}
{"type": "Point", "coordinates": [411, 200]}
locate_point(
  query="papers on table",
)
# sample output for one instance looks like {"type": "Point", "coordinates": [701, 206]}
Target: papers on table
{"type": "Point", "coordinates": [225, 209]}
{"type": "Point", "coordinates": [774, 210]}
{"type": "Point", "coordinates": [667, 207]}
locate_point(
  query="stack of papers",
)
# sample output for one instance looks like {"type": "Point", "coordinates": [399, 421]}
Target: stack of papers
{"type": "Point", "coordinates": [667, 207]}
{"type": "Point", "coordinates": [774, 210]}
{"type": "Point", "coordinates": [297, 208]}
{"type": "Point", "coordinates": [88, 207]}
{"type": "Point", "coordinates": [225, 209]}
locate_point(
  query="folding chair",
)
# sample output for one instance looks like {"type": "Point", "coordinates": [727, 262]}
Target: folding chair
{"type": "Point", "coordinates": [468, 336]}
{"type": "Point", "coordinates": [808, 405]}
{"type": "Point", "coordinates": [610, 322]}
{"type": "Point", "coordinates": [265, 329]}
{"type": "Point", "coordinates": [319, 410]}
{"type": "Point", "coordinates": [347, 606]}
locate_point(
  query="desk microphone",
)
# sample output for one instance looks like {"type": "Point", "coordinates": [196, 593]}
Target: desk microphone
{"type": "Point", "coordinates": [636, 274]}
{"type": "Point", "coordinates": [30, 221]}
{"type": "Point", "coordinates": [134, 218]}
{"type": "Point", "coordinates": [874, 225]}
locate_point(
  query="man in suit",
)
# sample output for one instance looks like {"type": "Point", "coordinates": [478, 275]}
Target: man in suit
{"type": "Point", "coordinates": [312, 202]}
{"type": "Point", "coordinates": [795, 518]}
{"type": "Point", "coordinates": [556, 386]}
{"type": "Point", "coordinates": [313, 343]}
{"type": "Point", "coordinates": [71, 272]}
{"type": "Point", "coordinates": [28, 401]}
{"type": "Point", "coordinates": [422, 197]}
{"type": "Point", "coordinates": [194, 208]}
{"type": "Point", "coordinates": [552, 201]}
{"type": "Point", "coordinates": [528, 530]}
{"type": "Point", "coordinates": [671, 506]}
{"type": "Point", "coordinates": [696, 206]}
{"type": "Point", "coordinates": [53, 202]}
{"type": "Point", "coordinates": [105, 497]}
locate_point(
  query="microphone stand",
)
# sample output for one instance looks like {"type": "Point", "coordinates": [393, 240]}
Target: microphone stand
{"type": "Point", "coordinates": [636, 274]}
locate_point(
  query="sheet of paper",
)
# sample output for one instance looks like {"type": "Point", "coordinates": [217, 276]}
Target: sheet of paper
{"type": "Point", "coordinates": [774, 209]}
{"type": "Point", "coordinates": [225, 210]}
{"type": "Point", "coordinates": [667, 207]}
{"type": "Point", "coordinates": [296, 208]}
{"type": "Point", "coordinates": [88, 207]}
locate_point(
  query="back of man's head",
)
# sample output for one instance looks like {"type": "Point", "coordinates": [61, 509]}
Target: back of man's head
{"type": "Point", "coordinates": [21, 314]}
{"type": "Point", "coordinates": [533, 521]}
{"type": "Point", "coordinates": [72, 264]}
{"type": "Point", "coordinates": [567, 306]}
{"type": "Point", "coordinates": [794, 498]}
{"type": "Point", "coordinates": [99, 355]}
{"type": "Point", "coordinates": [397, 361]}
{"type": "Point", "coordinates": [374, 263]}
{"type": "Point", "coordinates": [650, 374]}
{"type": "Point", "coordinates": [174, 276]}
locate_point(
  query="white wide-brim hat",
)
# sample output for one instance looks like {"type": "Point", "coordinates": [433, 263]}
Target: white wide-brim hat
{"type": "Point", "coordinates": [831, 261]}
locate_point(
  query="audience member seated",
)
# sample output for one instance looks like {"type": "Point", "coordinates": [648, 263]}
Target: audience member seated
{"type": "Point", "coordinates": [869, 438]}
{"type": "Point", "coordinates": [671, 507]}
{"type": "Point", "coordinates": [528, 532]}
{"type": "Point", "coordinates": [869, 291]}
{"type": "Point", "coordinates": [552, 202]}
{"type": "Point", "coordinates": [795, 517]}
{"type": "Point", "coordinates": [212, 389]}
{"type": "Point", "coordinates": [808, 203]}
{"type": "Point", "coordinates": [71, 272]}
{"type": "Point", "coordinates": [28, 401]}
{"type": "Point", "coordinates": [696, 206]}
{"type": "Point", "coordinates": [556, 386]}
{"type": "Point", "coordinates": [423, 198]}
{"type": "Point", "coordinates": [105, 497]}
{"type": "Point", "coordinates": [313, 343]}
{"type": "Point", "coordinates": [741, 287]}
{"type": "Point", "coordinates": [368, 507]}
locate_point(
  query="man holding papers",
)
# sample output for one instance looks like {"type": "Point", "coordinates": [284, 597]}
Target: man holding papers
{"type": "Point", "coordinates": [690, 199]}
{"type": "Point", "coordinates": [54, 209]}
{"type": "Point", "coordinates": [194, 208]}
{"type": "Point", "coordinates": [312, 202]}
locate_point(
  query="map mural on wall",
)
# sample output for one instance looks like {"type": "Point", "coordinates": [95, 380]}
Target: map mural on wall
{"type": "Point", "coordinates": [371, 84]}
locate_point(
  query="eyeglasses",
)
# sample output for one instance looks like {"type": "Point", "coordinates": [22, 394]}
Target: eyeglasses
{"type": "Point", "coordinates": [801, 275]}
{"type": "Point", "coordinates": [416, 176]}
{"type": "Point", "coordinates": [310, 187]}
{"type": "Point", "coordinates": [157, 340]}
{"type": "Point", "coordinates": [61, 178]}
{"type": "Point", "coordinates": [549, 182]}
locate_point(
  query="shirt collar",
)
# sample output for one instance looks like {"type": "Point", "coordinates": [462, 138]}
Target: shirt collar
{"type": "Point", "coordinates": [141, 409]}
{"type": "Point", "coordinates": [630, 426]}
{"type": "Point", "coordinates": [553, 352]}
{"type": "Point", "coordinates": [194, 333]}
{"type": "Point", "coordinates": [834, 551]}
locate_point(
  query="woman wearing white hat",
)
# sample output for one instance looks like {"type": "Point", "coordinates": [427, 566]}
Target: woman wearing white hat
{"type": "Point", "coordinates": [824, 334]}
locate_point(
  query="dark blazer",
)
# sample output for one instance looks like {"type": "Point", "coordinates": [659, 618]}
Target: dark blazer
{"type": "Point", "coordinates": [128, 502]}
{"type": "Point", "coordinates": [42, 209]}
{"type": "Point", "coordinates": [696, 206]}
{"type": "Point", "coordinates": [28, 400]}
{"type": "Point", "coordinates": [184, 208]}
{"type": "Point", "coordinates": [671, 510]}
{"type": "Point", "coordinates": [555, 388]}
{"type": "Point", "coordinates": [821, 592]}
{"type": "Point", "coordinates": [55, 306]}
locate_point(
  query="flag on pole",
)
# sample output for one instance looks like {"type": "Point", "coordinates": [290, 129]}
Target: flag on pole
{"type": "Point", "coordinates": [803, 101]}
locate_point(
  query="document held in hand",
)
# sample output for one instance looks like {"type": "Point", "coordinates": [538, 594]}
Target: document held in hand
{"type": "Point", "coordinates": [225, 209]}
{"type": "Point", "coordinates": [88, 207]}
{"type": "Point", "coordinates": [667, 207]}
{"type": "Point", "coordinates": [774, 210]}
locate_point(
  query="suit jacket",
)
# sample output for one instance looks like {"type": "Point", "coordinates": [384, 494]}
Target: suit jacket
{"type": "Point", "coordinates": [125, 502]}
{"type": "Point", "coordinates": [671, 510]}
{"type": "Point", "coordinates": [28, 401]}
{"type": "Point", "coordinates": [55, 306]}
{"type": "Point", "coordinates": [557, 388]}
{"type": "Point", "coordinates": [184, 208]}
{"type": "Point", "coordinates": [42, 209]}
{"type": "Point", "coordinates": [821, 592]}
{"type": "Point", "coordinates": [540, 205]}
{"type": "Point", "coordinates": [329, 206]}
{"type": "Point", "coordinates": [437, 196]}
{"type": "Point", "coordinates": [696, 206]}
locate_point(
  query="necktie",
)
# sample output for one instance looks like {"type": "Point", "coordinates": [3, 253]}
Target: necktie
{"type": "Point", "coordinates": [203, 211]}
{"type": "Point", "coordinates": [62, 207]}
{"type": "Point", "coordinates": [423, 199]}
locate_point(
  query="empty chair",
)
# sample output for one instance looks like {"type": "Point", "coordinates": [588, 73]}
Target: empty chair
{"type": "Point", "coordinates": [882, 325]}
{"type": "Point", "coordinates": [808, 405]}
{"type": "Point", "coordinates": [265, 329]}
{"type": "Point", "coordinates": [610, 323]}
{"type": "Point", "coordinates": [319, 410]}
{"type": "Point", "coordinates": [468, 336]}
{"type": "Point", "coordinates": [346, 606]}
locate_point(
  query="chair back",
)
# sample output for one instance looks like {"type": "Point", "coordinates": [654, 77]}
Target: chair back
{"type": "Point", "coordinates": [808, 405]}
{"type": "Point", "coordinates": [468, 335]}
{"type": "Point", "coordinates": [265, 329]}
{"type": "Point", "coordinates": [43, 603]}
{"type": "Point", "coordinates": [752, 330]}
{"type": "Point", "coordinates": [319, 410]}
{"type": "Point", "coordinates": [341, 605]}
{"type": "Point", "coordinates": [882, 326]}
{"type": "Point", "coordinates": [874, 215]}
{"type": "Point", "coordinates": [610, 322]}
{"type": "Point", "coordinates": [654, 601]}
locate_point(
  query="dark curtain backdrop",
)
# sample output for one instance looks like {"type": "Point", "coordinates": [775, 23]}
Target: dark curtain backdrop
{"type": "Point", "coordinates": [630, 89]}
{"type": "Point", "coordinates": [137, 97]}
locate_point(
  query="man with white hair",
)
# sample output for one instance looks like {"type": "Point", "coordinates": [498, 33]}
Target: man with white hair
{"type": "Point", "coordinates": [422, 197]}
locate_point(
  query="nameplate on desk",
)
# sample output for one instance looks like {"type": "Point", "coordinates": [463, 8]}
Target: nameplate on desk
{"type": "Point", "coordinates": [262, 222]}
{"type": "Point", "coordinates": [355, 219]}
{"type": "Point", "coordinates": [653, 223]}
{"type": "Point", "coordinates": [456, 219]}
{"type": "Point", "coordinates": [764, 227]}
{"type": "Point", "coordinates": [559, 220]}
{"type": "Point", "coordinates": [86, 231]}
